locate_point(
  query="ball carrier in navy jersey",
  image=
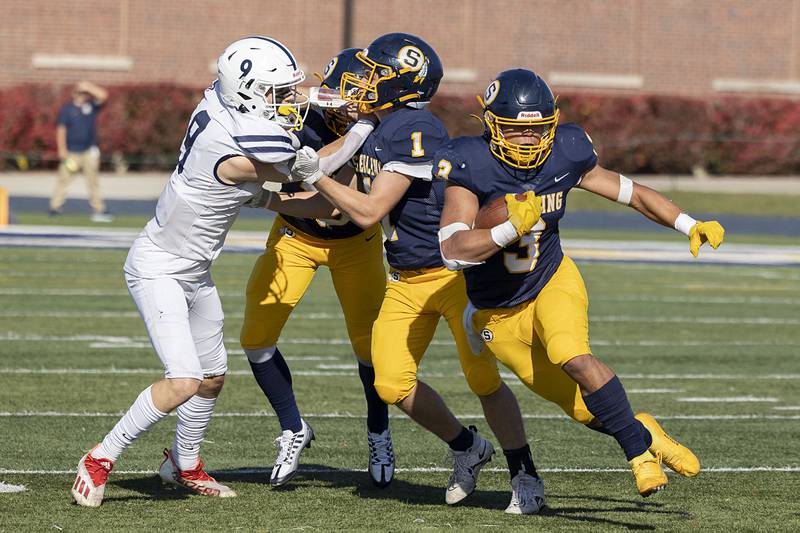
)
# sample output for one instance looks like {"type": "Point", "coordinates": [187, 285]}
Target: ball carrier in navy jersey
{"type": "Point", "coordinates": [402, 74]}
{"type": "Point", "coordinates": [528, 300]}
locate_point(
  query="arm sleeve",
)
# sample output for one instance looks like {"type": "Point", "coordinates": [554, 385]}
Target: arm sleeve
{"type": "Point", "coordinates": [352, 143]}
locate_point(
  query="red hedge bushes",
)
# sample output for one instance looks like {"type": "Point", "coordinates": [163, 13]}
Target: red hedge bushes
{"type": "Point", "coordinates": [635, 134]}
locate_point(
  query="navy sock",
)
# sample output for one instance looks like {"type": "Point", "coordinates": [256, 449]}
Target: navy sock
{"type": "Point", "coordinates": [520, 460]}
{"type": "Point", "coordinates": [377, 411]}
{"type": "Point", "coordinates": [463, 441]}
{"type": "Point", "coordinates": [648, 438]}
{"type": "Point", "coordinates": [609, 404]}
{"type": "Point", "coordinates": [275, 380]}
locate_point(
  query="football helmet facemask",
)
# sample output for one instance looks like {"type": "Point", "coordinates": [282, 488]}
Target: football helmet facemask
{"type": "Point", "coordinates": [519, 98]}
{"type": "Point", "coordinates": [257, 75]}
{"type": "Point", "coordinates": [338, 120]}
{"type": "Point", "coordinates": [400, 69]}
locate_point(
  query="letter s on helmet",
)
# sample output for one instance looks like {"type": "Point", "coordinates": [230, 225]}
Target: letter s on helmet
{"type": "Point", "coordinates": [400, 70]}
{"type": "Point", "coordinates": [520, 98]}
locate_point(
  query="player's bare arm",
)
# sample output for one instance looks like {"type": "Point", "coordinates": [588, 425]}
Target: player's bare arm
{"type": "Point", "coordinates": [366, 209]}
{"type": "Point", "coordinates": [302, 205]}
{"type": "Point", "coordinates": [652, 204]}
{"type": "Point", "coordinates": [240, 169]}
{"type": "Point", "coordinates": [457, 239]}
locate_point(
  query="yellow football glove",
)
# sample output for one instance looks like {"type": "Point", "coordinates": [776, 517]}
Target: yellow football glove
{"type": "Point", "coordinates": [524, 214]}
{"type": "Point", "coordinates": [711, 232]}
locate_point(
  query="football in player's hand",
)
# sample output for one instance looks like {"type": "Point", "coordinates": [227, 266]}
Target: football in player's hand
{"type": "Point", "coordinates": [493, 213]}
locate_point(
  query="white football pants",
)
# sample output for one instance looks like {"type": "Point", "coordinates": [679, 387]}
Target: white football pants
{"type": "Point", "coordinates": [184, 322]}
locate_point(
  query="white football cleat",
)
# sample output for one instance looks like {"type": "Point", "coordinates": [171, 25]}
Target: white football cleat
{"type": "Point", "coordinates": [289, 446]}
{"type": "Point", "coordinates": [196, 480]}
{"type": "Point", "coordinates": [381, 458]}
{"type": "Point", "coordinates": [527, 494]}
{"type": "Point", "coordinates": [90, 483]}
{"type": "Point", "coordinates": [466, 467]}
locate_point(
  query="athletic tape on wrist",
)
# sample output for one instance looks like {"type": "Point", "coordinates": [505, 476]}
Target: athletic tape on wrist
{"type": "Point", "coordinates": [684, 223]}
{"type": "Point", "coordinates": [504, 234]}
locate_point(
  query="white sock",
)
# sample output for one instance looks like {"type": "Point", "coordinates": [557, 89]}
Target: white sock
{"type": "Point", "coordinates": [141, 416]}
{"type": "Point", "coordinates": [193, 419]}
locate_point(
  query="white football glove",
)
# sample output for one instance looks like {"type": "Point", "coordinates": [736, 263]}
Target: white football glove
{"type": "Point", "coordinates": [306, 166]}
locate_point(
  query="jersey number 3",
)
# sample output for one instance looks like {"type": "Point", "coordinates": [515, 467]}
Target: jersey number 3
{"type": "Point", "coordinates": [196, 126]}
{"type": "Point", "coordinates": [522, 257]}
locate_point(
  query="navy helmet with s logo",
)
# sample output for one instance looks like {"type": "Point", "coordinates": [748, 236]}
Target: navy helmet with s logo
{"type": "Point", "coordinates": [337, 120]}
{"type": "Point", "coordinates": [520, 99]}
{"type": "Point", "coordinates": [400, 70]}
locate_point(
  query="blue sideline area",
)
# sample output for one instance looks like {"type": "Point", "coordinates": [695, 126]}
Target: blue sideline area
{"type": "Point", "coordinates": [599, 220]}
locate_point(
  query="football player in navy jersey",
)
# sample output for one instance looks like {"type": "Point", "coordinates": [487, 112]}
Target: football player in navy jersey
{"type": "Point", "coordinates": [402, 74]}
{"type": "Point", "coordinates": [528, 302]}
{"type": "Point", "coordinates": [295, 249]}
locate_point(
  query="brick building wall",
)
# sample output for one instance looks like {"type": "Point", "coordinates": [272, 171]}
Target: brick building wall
{"type": "Point", "coordinates": [691, 47]}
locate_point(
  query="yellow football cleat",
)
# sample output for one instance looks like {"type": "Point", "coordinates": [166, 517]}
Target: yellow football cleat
{"type": "Point", "coordinates": [674, 454]}
{"type": "Point", "coordinates": [650, 478]}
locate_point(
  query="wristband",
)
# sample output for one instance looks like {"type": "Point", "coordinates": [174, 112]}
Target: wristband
{"type": "Point", "coordinates": [684, 223]}
{"type": "Point", "coordinates": [625, 190]}
{"type": "Point", "coordinates": [504, 234]}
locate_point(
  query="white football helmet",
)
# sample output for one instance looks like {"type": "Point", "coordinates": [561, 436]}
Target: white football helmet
{"type": "Point", "coordinates": [256, 75]}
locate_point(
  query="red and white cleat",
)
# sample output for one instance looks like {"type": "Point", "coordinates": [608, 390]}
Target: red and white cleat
{"type": "Point", "coordinates": [196, 480]}
{"type": "Point", "coordinates": [90, 483]}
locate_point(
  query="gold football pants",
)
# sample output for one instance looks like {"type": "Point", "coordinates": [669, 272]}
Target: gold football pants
{"type": "Point", "coordinates": [412, 306]}
{"type": "Point", "coordinates": [283, 272]}
{"type": "Point", "coordinates": [536, 338]}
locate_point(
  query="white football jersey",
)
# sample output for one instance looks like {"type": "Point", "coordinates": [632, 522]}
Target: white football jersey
{"type": "Point", "coordinates": [196, 210]}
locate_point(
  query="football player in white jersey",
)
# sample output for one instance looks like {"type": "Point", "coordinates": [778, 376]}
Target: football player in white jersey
{"type": "Point", "coordinates": [239, 136]}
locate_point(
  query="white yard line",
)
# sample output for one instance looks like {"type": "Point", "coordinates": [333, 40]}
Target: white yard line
{"type": "Point", "coordinates": [8, 488]}
{"type": "Point", "coordinates": [772, 300]}
{"type": "Point", "coordinates": [654, 391]}
{"type": "Point", "coordinates": [112, 371]}
{"type": "Point", "coordinates": [339, 316]}
{"type": "Point", "coordinates": [348, 415]}
{"type": "Point", "coordinates": [787, 408]}
{"type": "Point", "coordinates": [128, 342]}
{"type": "Point", "coordinates": [352, 368]}
{"type": "Point", "coordinates": [728, 399]}
{"type": "Point", "coordinates": [421, 469]}
{"type": "Point", "coordinates": [711, 300]}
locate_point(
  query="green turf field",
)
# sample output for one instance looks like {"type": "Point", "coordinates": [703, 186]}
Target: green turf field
{"type": "Point", "coordinates": [712, 351]}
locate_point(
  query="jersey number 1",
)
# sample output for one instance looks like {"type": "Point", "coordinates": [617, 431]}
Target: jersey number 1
{"type": "Point", "coordinates": [416, 144]}
{"type": "Point", "coordinates": [196, 126]}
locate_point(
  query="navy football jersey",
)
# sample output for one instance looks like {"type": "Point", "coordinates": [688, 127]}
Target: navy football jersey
{"type": "Point", "coordinates": [405, 141]}
{"type": "Point", "coordinates": [518, 272]}
{"type": "Point", "coordinates": [316, 134]}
